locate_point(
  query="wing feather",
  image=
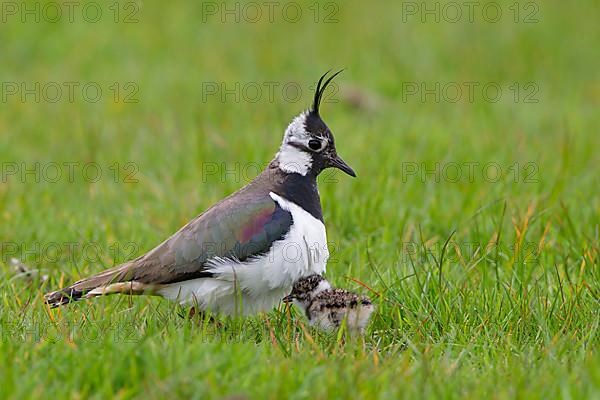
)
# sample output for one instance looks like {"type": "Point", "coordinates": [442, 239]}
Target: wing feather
{"type": "Point", "coordinates": [238, 231]}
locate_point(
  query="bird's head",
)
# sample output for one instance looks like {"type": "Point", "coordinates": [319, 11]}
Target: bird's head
{"type": "Point", "coordinates": [305, 289]}
{"type": "Point", "coordinates": [308, 146]}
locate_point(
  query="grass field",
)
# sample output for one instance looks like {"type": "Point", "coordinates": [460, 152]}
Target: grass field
{"type": "Point", "coordinates": [476, 130]}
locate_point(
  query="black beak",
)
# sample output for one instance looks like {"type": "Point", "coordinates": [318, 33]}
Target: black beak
{"type": "Point", "coordinates": [337, 162]}
{"type": "Point", "coordinates": [288, 299]}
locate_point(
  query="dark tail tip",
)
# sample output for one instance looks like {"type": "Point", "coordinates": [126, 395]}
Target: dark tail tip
{"type": "Point", "coordinates": [63, 296]}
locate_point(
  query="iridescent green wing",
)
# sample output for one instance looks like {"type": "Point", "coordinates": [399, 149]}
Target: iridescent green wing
{"type": "Point", "coordinates": [240, 229]}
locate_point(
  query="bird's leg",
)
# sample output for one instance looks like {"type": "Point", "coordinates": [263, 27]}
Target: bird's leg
{"type": "Point", "coordinates": [201, 315]}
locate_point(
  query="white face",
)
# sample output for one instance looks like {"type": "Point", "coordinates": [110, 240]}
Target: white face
{"type": "Point", "coordinates": [302, 305]}
{"type": "Point", "coordinates": [295, 153]}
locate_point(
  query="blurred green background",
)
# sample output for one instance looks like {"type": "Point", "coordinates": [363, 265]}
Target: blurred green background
{"type": "Point", "coordinates": [193, 96]}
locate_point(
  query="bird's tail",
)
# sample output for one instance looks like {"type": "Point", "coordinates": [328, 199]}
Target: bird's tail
{"type": "Point", "coordinates": [63, 296]}
{"type": "Point", "coordinates": [106, 282]}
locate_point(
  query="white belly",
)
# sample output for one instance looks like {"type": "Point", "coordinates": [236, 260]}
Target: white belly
{"type": "Point", "coordinates": [258, 284]}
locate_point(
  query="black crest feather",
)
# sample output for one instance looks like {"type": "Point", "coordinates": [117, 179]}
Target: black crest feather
{"type": "Point", "coordinates": [321, 89]}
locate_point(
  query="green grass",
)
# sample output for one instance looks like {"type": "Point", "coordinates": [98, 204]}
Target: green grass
{"type": "Point", "coordinates": [508, 309]}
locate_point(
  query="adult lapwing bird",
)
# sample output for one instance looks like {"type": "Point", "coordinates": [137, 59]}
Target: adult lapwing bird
{"type": "Point", "coordinates": [242, 255]}
{"type": "Point", "coordinates": [327, 308]}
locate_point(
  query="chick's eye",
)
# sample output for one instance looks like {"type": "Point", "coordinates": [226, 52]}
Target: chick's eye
{"type": "Point", "coordinates": [314, 144]}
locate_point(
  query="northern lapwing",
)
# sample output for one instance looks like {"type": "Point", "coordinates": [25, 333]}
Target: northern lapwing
{"type": "Point", "coordinates": [326, 307]}
{"type": "Point", "coordinates": [243, 254]}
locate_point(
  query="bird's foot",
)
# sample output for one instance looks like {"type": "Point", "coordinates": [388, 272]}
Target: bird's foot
{"type": "Point", "coordinates": [202, 316]}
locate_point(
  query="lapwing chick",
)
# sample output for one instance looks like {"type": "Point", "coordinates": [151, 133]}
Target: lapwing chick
{"type": "Point", "coordinates": [234, 257]}
{"type": "Point", "coordinates": [327, 308]}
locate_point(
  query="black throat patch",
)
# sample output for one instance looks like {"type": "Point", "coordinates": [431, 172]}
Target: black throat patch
{"type": "Point", "coordinates": [299, 189]}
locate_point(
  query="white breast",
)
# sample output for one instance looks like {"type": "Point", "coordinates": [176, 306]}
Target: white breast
{"type": "Point", "coordinates": [356, 318]}
{"type": "Point", "coordinates": [258, 284]}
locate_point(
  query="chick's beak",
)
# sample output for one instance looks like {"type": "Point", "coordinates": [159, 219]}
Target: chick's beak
{"type": "Point", "coordinates": [288, 299]}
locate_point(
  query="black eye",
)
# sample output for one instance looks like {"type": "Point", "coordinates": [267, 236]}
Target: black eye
{"type": "Point", "coordinates": [314, 144]}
